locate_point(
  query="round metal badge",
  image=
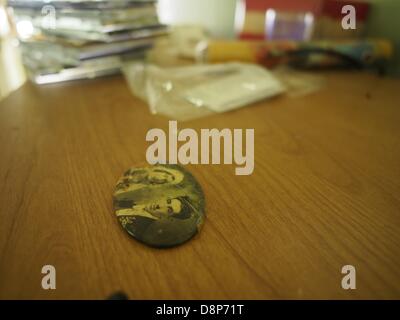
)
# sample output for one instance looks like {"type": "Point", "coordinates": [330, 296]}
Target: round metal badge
{"type": "Point", "coordinates": [161, 205]}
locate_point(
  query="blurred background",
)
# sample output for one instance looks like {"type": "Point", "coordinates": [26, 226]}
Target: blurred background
{"type": "Point", "coordinates": [184, 21]}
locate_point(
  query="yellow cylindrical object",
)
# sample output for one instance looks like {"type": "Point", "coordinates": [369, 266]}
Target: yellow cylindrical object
{"type": "Point", "coordinates": [244, 51]}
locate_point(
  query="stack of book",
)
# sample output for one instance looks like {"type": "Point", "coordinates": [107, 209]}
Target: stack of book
{"type": "Point", "coordinates": [67, 40]}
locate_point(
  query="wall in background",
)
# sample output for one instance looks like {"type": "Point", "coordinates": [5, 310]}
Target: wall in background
{"type": "Point", "coordinates": [384, 21]}
{"type": "Point", "coordinates": [217, 16]}
{"type": "Point", "coordinates": [12, 74]}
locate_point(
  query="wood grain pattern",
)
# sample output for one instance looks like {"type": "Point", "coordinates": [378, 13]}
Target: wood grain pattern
{"type": "Point", "coordinates": [325, 193]}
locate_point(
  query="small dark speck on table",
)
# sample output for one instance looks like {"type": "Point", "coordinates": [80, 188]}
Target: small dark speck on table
{"type": "Point", "coordinates": [118, 296]}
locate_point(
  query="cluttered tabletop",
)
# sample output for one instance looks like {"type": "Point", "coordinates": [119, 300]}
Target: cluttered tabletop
{"type": "Point", "coordinates": [324, 194]}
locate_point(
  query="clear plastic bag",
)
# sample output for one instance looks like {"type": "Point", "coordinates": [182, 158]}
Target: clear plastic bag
{"type": "Point", "coordinates": [186, 93]}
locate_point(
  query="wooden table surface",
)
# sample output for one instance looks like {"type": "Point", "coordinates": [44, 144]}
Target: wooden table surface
{"type": "Point", "coordinates": [325, 193]}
